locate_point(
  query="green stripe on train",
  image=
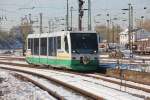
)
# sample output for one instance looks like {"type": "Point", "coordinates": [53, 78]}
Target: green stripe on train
{"type": "Point", "coordinates": [69, 64]}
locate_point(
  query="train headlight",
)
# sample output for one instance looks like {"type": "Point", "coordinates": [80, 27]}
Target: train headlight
{"type": "Point", "coordinates": [95, 51]}
{"type": "Point", "coordinates": [73, 51]}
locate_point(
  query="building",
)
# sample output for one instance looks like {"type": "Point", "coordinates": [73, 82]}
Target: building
{"type": "Point", "coordinates": [141, 34]}
{"type": "Point", "coordinates": [138, 34]}
{"type": "Point", "coordinates": [124, 38]}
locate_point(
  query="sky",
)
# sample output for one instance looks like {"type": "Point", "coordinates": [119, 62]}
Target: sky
{"type": "Point", "coordinates": [14, 10]}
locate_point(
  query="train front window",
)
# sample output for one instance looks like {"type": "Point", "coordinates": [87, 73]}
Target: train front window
{"type": "Point", "coordinates": [84, 43]}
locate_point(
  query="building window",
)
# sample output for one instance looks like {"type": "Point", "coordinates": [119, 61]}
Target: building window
{"type": "Point", "coordinates": [43, 44]}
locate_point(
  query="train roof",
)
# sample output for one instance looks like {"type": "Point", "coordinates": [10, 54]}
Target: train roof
{"type": "Point", "coordinates": [61, 33]}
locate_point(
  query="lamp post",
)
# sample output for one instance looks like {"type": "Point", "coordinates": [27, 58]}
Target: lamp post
{"type": "Point", "coordinates": [113, 29]}
{"type": "Point", "coordinates": [71, 9]}
{"type": "Point", "coordinates": [108, 25]}
{"type": "Point", "coordinates": [67, 17]}
{"type": "Point", "coordinates": [89, 15]}
{"type": "Point", "coordinates": [130, 27]}
{"type": "Point", "coordinates": [141, 25]}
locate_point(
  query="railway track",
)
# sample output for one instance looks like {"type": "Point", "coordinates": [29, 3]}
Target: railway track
{"type": "Point", "coordinates": [100, 77]}
{"type": "Point", "coordinates": [15, 87]}
{"type": "Point", "coordinates": [95, 75]}
{"type": "Point", "coordinates": [26, 77]}
{"type": "Point", "coordinates": [86, 92]}
{"type": "Point", "coordinates": [56, 88]}
{"type": "Point", "coordinates": [12, 58]}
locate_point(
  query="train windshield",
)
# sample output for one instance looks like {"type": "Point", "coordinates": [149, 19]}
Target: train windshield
{"type": "Point", "coordinates": [84, 43]}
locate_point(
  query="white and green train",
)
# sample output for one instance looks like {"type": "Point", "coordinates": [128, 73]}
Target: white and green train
{"type": "Point", "coordinates": [71, 50]}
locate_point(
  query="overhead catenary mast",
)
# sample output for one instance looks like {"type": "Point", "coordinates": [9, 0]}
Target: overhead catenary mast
{"type": "Point", "coordinates": [67, 17]}
{"type": "Point", "coordinates": [89, 15]}
{"type": "Point", "coordinates": [41, 29]}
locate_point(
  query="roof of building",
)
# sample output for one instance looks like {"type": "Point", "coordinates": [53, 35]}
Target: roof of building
{"type": "Point", "coordinates": [124, 32]}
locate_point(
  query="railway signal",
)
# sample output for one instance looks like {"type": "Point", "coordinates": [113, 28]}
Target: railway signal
{"type": "Point", "coordinates": [81, 13]}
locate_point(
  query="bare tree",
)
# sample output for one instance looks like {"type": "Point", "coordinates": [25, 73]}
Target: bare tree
{"type": "Point", "coordinates": [26, 29]}
{"type": "Point", "coordinates": [113, 32]}
{"type": "Point", "coordinates": [144, 24]}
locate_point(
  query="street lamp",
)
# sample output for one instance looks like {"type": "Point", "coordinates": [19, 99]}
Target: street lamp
{"type": "Point", "coordinates": [71, 10]}
{"type": "Point", "coordinates": [130, 9]}
{"type": "Point", "coordinates": [141, 25]}
{"type": "Point", "coordinates": [67, 16]}
{"type": "Point", "coordinates": [113, 38]}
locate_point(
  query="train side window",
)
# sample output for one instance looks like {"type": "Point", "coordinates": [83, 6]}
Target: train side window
{"type": "Point", "coordinates": [66, 44]}
{"type": "Point", "coordinates": [43, 44]}
{"type": "Point", "coordinates": [36, 46]}
{"type": "Point", "coordinates": [52, 46]}
{"type": "Point", "coordinates": [29, 43]}
{"type": "Point", "coordinates": [58, 42]}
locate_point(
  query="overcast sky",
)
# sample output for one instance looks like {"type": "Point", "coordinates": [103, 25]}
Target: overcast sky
{"type": "Point", "coordinates": [15, 9]}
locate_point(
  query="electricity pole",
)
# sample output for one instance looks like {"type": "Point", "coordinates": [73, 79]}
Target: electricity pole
{"type": "Point", "coordinates": [129, 31]}
{"type": "Point", "coordinates": [49, 26]}
{"type": "Point", "coordinates": [132, 34]}
{"type": "Point", "coordinates": [113, 37]}
{"type": "Point", "coordinates": [41, 30]}
{"type": "Point", "coordinates": [71, 9]}
{"type": "Point", "coordinates": [142, 21]}
{"type": "Point", "coordinates": [89, 15]}
{"type": "Point", "coordinates": [30, 21]}
{"type": "Point", "coordinates": [130, 28]}
{"type": "Point", "coordinates": [108, 25]}
{"type": "Point", "coordinates": [67, 17]}
{"type": "Point", "coordinates": [108, 22]}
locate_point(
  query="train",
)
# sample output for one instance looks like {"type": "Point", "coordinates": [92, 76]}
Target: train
{"type": "Point", "coordinates": [76, 51]}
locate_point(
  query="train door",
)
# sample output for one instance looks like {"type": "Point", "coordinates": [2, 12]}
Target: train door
{"type": "Point", "coordinates": [43, 51]}
{"type": "Point", "coordinates": [52, 50]}
{"type": "Point", "coordinates": [58, 49]}
{"type": "Point", "coordinates": [54, 46]}
{"type": "Point", "coordinates": [36, 50]}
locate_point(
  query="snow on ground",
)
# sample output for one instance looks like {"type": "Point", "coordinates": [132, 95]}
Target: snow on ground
{"type": "Point", "coordinates": [142, 57]}
{"type": "Point", "coordinates": [104, 56]}
{"type": "Point", "coordinates": [136, 65]}
{"type": "Point", "coordinates": [124, 88]}
{"type": "Point", "coordinates": [12, 88]}
{"type": "Point", "coordinates": [60, 90]}
{"type": "Point", "coordinates": [12, 56]}
{"type": "Point", "coordinates": [98, 87]}
{"type": "Point", "coordinates": [13, 61]}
